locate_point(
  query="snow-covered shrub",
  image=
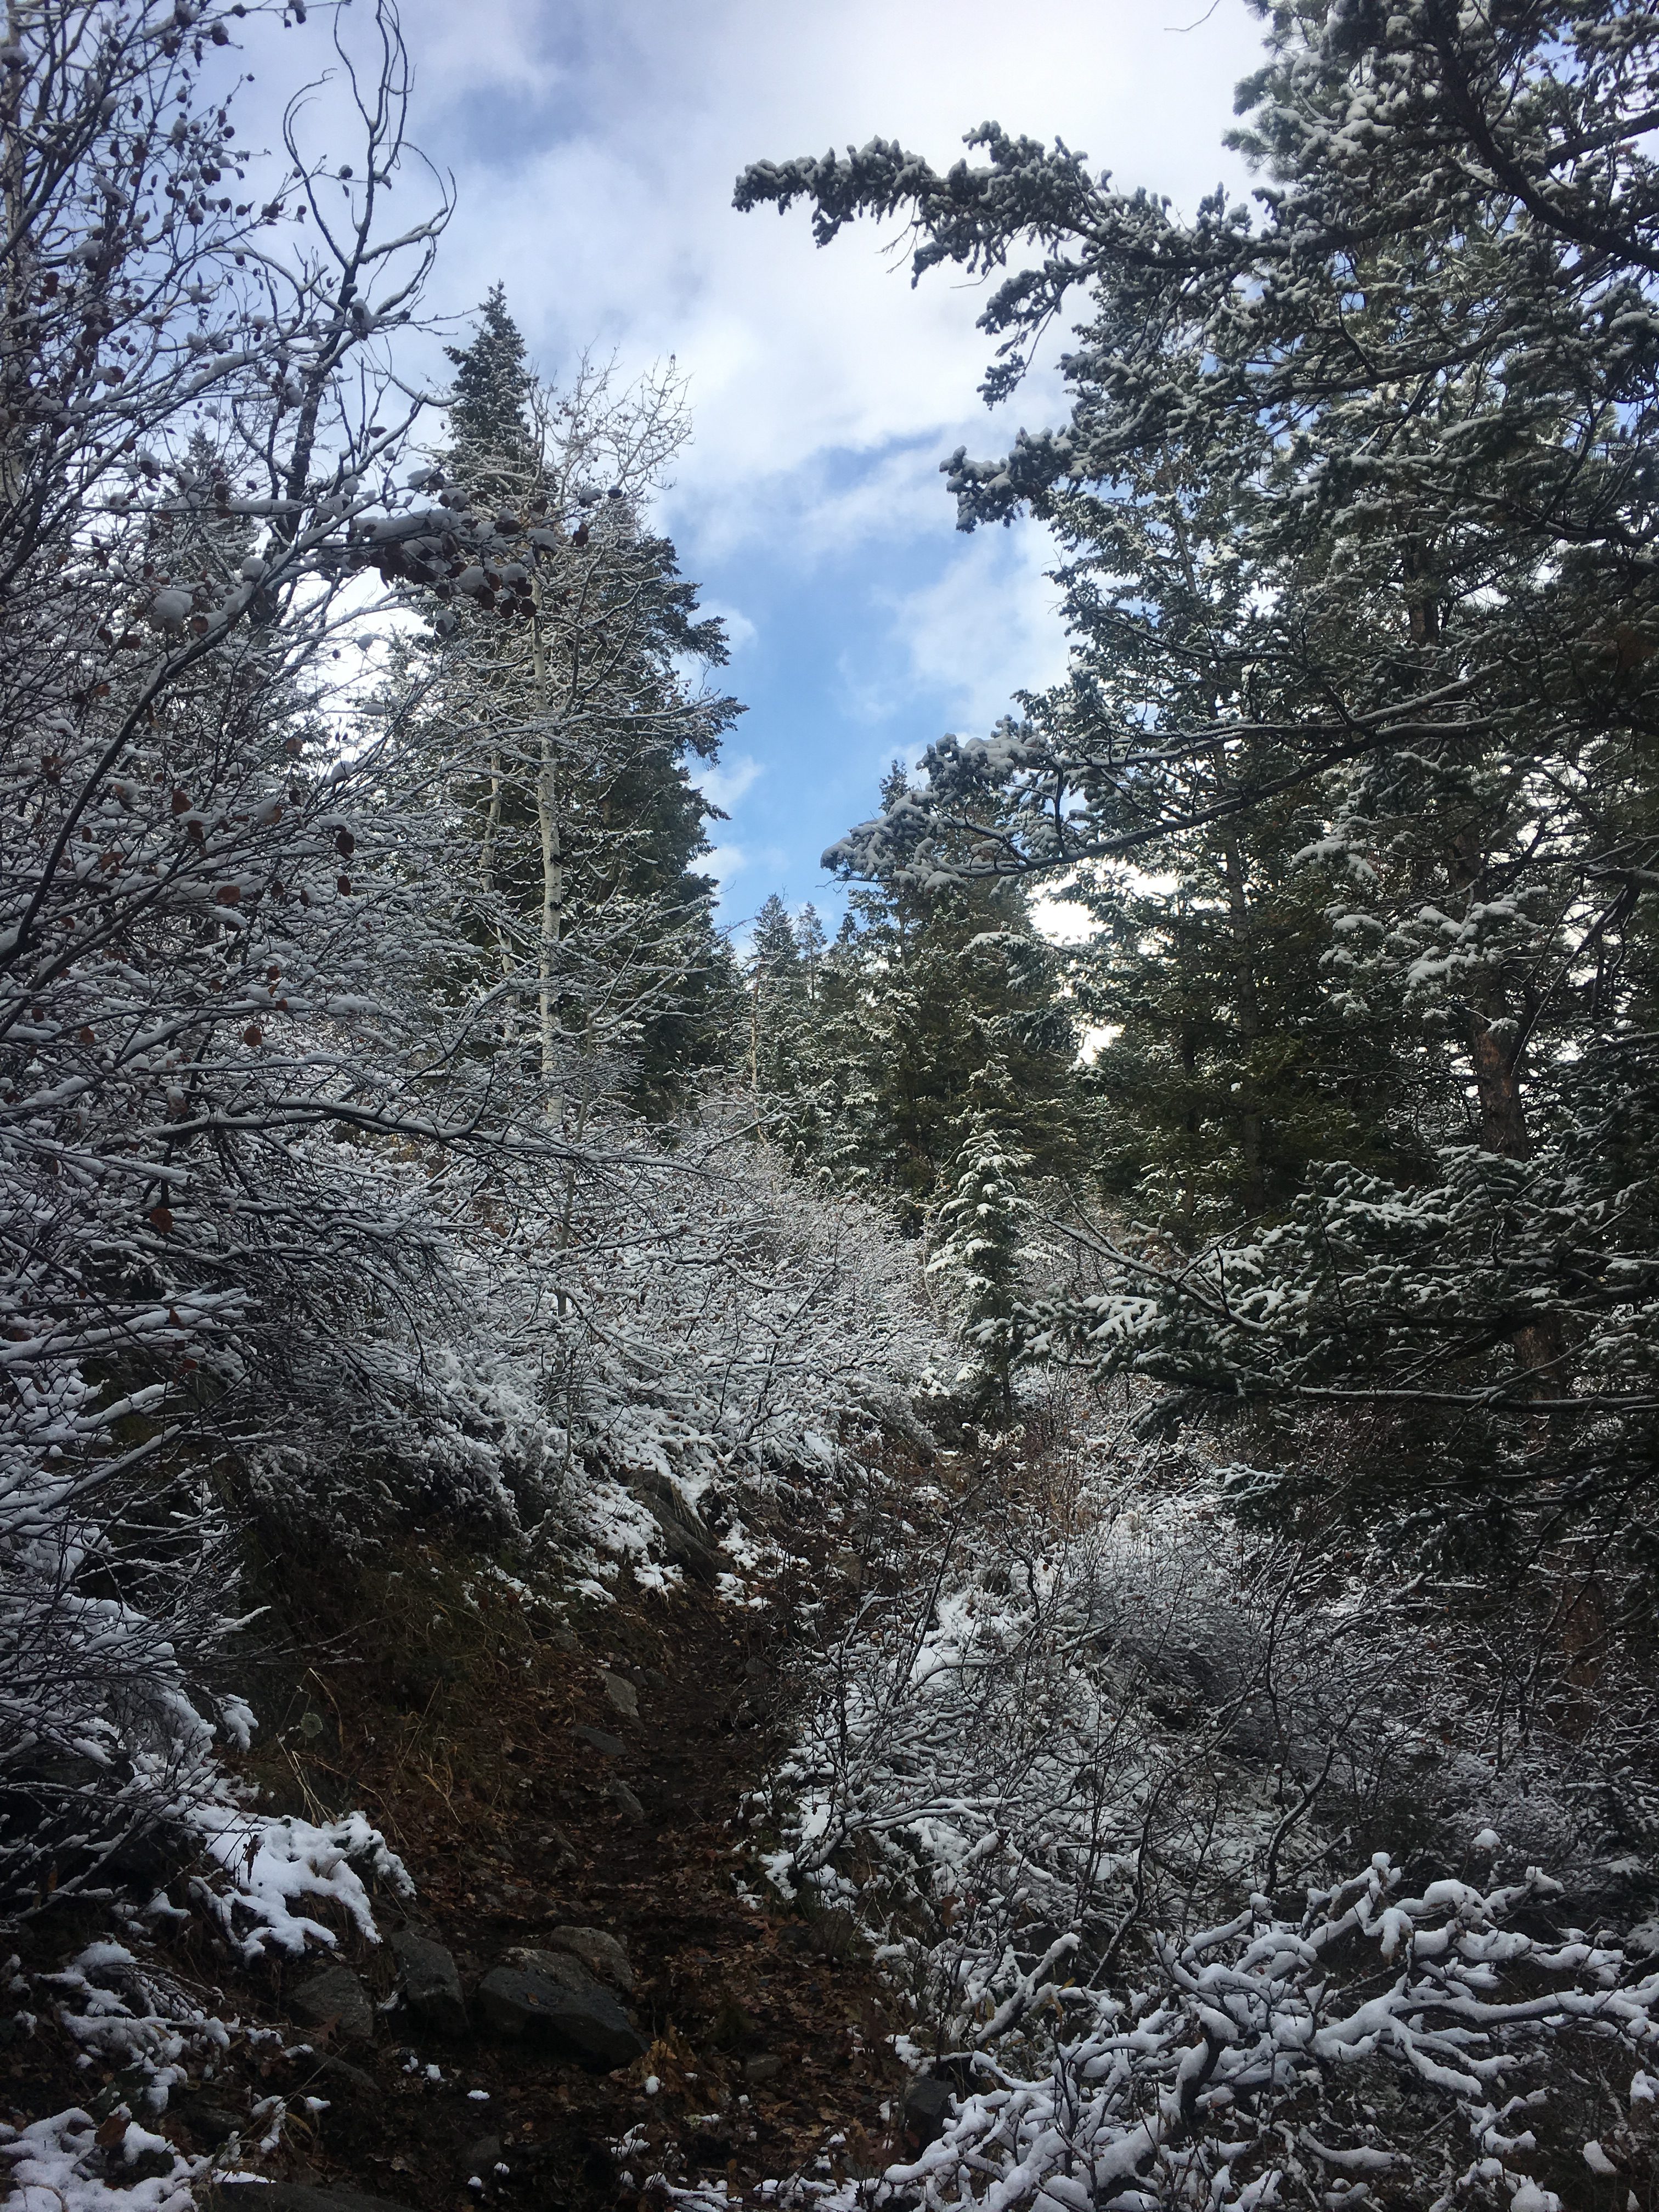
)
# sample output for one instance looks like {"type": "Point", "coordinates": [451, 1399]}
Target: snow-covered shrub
{"type": "Point", "coordinates": [1380, 2045]}
{"type": "Point", "coordinates": [1080, 1703]}
{"type": "Point", "coordinates": [232, 1051]}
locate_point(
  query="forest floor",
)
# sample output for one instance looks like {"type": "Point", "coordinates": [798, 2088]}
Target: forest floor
{"type": "Point", "coordinates": [451, 1713]}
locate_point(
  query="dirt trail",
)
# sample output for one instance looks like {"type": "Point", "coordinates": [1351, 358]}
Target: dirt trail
{"type": "Point", "coordinates": [426, 1690]}
{"type": "Point", "coordinates": [719, 1982]}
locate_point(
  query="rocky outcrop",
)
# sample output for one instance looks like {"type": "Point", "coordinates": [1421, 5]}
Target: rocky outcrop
{"type": "Point", "coordinates": [597, 1949]}
{"type": "Point", "coordinates": [333, 2001]}
{"type": "Point", "coordinates": [559, 2002]}
{"type": "Point", "coordinates": [431, 1984]}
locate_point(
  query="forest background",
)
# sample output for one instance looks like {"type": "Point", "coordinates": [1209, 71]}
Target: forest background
{"type": "Point", "coordinates": [1239, 1442]}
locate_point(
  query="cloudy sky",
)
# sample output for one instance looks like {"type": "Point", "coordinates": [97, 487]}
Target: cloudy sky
{"type": "Point", "coordinates": [593, 145]}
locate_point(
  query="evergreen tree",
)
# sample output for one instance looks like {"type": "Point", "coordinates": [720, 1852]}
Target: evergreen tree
{"type": "Point", "coordinates": [980, 1230]}
{"type": "Point", "coordinates": [586, 730]}
{"type": "Point", "coordinates": [878, 1037]}
{"type": "Point", "coordinates": [1356, 507]}
{"type": "Point", "coordinates": [490, 399]}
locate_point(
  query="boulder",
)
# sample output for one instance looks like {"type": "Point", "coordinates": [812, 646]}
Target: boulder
{"type": "Point", "coordinates": [625, 1800]}
{"type": "Point", "coordinates": [432, 1987]}
{"type": "Point", "coordinates": [685, 1539]}
{"type": "Point", "coordinates": [560, 2003]}
{"type": "Point", "coordinates": [334, 1998]}
{"type": "Point", "coordinates": [600, 1740]}
{"type": "Point", "coordinates": [600, 1952]}
{"type": "Point", "coordinates": [622, 1693]}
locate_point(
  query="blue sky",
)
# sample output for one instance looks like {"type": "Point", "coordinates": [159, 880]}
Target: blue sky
{"type": "Point", "coordinates": [594, 144]}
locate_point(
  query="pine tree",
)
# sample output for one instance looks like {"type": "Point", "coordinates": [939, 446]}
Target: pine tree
{"type": "Point", "coordinates": [490, 400]}
{"type": "Point", "coordinates": [597, 915]}
{"type": "Point", "coordinates": [1354, 505]}
{"type": "Point", "coordinates": [878, 1037]}
{"type": "Point", "coordinates": [980, 1231]}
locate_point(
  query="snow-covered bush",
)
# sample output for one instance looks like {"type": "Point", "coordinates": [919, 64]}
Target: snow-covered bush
{"type": "Point", "coordinates": [1079, 1701]}
{"type": "Point", "coordinates": [1382, 2046]}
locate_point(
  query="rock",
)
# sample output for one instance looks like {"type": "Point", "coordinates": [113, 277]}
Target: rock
{"type": "Point", "coordinates": [926, 2108]}
{"type": "Point", "coordinates": [608, 1746]}
{"type": "Point", "coordinates": [334, 1998]}
{"type": "Point", "coordinates": [766, 2067]}
{"type": "Point", "coordinates": [480, 2157]}
{"type": "Point", "coordinates": [686, 1541]}
{"type": "Point", "coordinates": [560, 2003]}
{"type": "Point", "coordinates": [432, 1988]}
{"type": "Point", "coordinates": [295, 2196]}
{"type": "Point", "coordinates": [600, 1952]}
{"type": "Point", "coordinates": [209, 2123]}
{"type": "Point", "coordinates": [340, 2078]}
{"type": "Point", "coordinates": [564, 1852]}
{"type": "Point", "coordinates": [650, 1678]}
{"type": "Point", "coordinates": [625, 1800]}
{"type": "Point", "coordinates": [622, 1693]}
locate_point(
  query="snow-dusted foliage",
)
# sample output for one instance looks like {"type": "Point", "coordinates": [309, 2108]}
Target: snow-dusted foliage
{"type": "Point", "coordinates": [1272, 2060]}
{"type": "Point", "coordinates": [1354, 510]}
{"type": "Point", "coordinates": [197, 998]}
{"type": "Point", "coordinates": [316, 1198]}
{"type": "Point", "coordinates": [132, 2020]}
{"type": "Point", "coordinates": [1077, 1717]}
{"type": "Point", "coordinates": [742, 1320]}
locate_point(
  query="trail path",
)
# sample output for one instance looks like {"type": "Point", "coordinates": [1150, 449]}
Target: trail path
{"type": "Point", "coordinates": [767, 2031]}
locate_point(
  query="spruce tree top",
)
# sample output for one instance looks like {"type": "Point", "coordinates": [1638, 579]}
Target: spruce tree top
{"type": "Point", "coordinates": [488, 409]}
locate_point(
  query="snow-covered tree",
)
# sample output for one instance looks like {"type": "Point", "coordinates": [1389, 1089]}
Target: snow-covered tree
{"type": "Point", "coordinates": [980, 1229]}
{"type": "Point", "coordinates": [561, 675]}
{"type": "Point", "coordinates": [1354, 506]}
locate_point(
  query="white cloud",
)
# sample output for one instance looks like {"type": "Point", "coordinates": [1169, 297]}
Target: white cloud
{"type": "Point", "coordinates": [724, 863]}
{"type": "Point", "coordinates": [597, 143]}
{"type": "Point", "coordinates": [726, 783]}
{"type": "Point", "coordinates": [986, 627]}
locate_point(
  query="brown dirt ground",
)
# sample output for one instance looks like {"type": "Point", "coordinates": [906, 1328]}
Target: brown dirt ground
{"type": "Point", "coordinates": [449, 1712]}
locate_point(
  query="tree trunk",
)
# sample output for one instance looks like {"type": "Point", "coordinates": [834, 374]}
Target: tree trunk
{"type": "Point", "coordinates": [1495, 1059]}
{"type": "Point", "coordinates": [1249, 1018]}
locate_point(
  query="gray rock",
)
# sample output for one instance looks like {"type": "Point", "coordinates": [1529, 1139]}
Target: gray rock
{"type": "Point", "coordinates": [340, 2078]}
{"type": "Point", "coordinates": [685, 1539]}
{"type": "Point", "coordinates": [595, 1947]}
{"type": "Point", "coordinates": [926, 2108]}
{"type": "Point", "coordinates": [622, 1693]}
{"type": "Point", "coordinates": [625, 1800]}
{"type": "Point", "coordinates": [334, 1998]}
{"type": "Point", "coordinates": [561, 2004]}
{"type": "Point", "coordinates": [209, 2123]}
{"type": "Point", "coordinates": [600, 1740]}
{"type": "Point", "coordinates": [479, 2157]}
{"type": "Point", "coordinates": [432, 1987]}
{"type": "Point", "coordinates": [296, 2197]}
{"type": "Point", "coordinates": [765, 2068]}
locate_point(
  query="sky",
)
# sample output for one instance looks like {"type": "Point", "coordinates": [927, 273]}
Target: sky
{"type": "Point", "coordinates": [594, 144]}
